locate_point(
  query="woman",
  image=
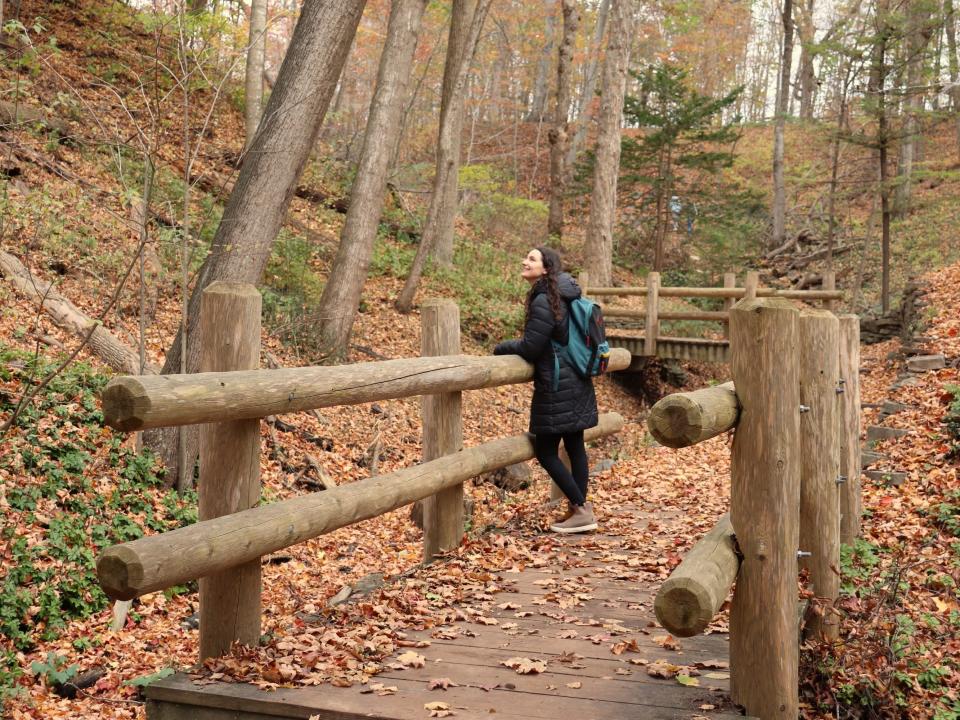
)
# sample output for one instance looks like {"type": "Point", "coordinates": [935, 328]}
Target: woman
{"type": "Point", "coordinates": [561, 410]}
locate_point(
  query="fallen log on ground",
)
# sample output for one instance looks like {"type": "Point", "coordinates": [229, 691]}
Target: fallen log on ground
{"type": "Point", "coordinates": [161, 561]}
{"type": "Point", "coordinates": [691, 597]}
{"type": "Point", "coordinates": [66, 316]}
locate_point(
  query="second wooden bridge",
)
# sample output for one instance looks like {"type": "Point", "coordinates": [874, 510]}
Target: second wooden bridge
{"type": "Point", "coordinates": [652, 343]}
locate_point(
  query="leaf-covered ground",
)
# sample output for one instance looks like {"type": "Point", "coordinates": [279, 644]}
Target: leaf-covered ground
{"type": "Point", "coordinates": [901, 616]}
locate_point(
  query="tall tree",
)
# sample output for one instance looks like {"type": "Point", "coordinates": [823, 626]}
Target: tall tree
{"type": "Point", "coordinates": [807, 87]}
{"type": "Point", "coordinates": [589, 85]}
{"type": "Point", "coordinates": [950, 24]}
{"type": "Point", "coordinates": [438, 227]}
{"type": "Point", "coordinates": [684, 130]}
{"type": "Point", "coordinates": [919, 29]}
{"type": "Point", "coordinates": [783, 98]}
{"type": "Point", "coordinates": [341, 294]}
{"type": "Point", "coordinates": [438, 235]}
{"type": "Point", "coordinates": [268, 177]}
{"type": "Point", "coordinates": [877, 105]}
{"type": "Point", "coordinates": [256, 52]}
{"type": "Point", "coordinates": [541, 83]}
{"type": "Point", "coordinates": [559, 133]}
{"type": "Point", "coordinates": [598, 246]}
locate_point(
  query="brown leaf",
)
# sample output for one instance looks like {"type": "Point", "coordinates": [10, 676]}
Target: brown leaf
{"type": "Point", "coordinates": [441, 684]}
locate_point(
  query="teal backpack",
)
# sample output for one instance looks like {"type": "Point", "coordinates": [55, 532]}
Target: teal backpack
{"type": "Point", "coordinates": [587, 350]}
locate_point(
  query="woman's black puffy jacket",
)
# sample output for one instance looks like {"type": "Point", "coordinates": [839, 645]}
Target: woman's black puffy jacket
{"type": "Point", "coordinates": [573, 405]}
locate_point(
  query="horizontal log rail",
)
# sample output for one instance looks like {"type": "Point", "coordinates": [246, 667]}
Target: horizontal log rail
{"type": "Point", "coordinates": [710, 315]}
{"type": "Point", "coordinates": [137, 402]}
{"type": "Point", "coordinates": [684, 419]}
{"type": "Point", "coordinates": [161, 561]}
{"type": "Point", "coordinates": [691, 597]}
{"type": "Point", "coordinates": [708, 292]}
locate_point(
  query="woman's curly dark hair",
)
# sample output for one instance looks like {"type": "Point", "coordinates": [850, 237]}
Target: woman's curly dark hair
{"type": "Point", "coordinates": [553, 266]}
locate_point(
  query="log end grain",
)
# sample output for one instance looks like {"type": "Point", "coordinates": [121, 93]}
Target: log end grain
{"type": "Point", "coordinates": [120, 572]}
{"type": "Point", "coordinates": [684, 606]}
{"type": "Point", "coordinates": [676, 421]}
{"type": "Point", "coordinates": [125, 403]}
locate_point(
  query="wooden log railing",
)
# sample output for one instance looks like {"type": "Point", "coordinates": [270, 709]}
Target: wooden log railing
{"type": "Point", "coordinates": [224, 548]}
{"type": "Point", "coordinates": [794, 404]}
{"type": "Point", "coordinates": [652, 315]}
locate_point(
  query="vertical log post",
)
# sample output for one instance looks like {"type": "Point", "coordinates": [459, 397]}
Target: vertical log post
{"type": "Point", "coordinates": [229, 465]}
{"type": "Point", "coordinates": [442, 429]}
{"type": "Point", "coordinates": [750, 284]}
{"type": "Point", "coordinates": [830, 283]}
{"type": "Point", "coordinates": [820, 468]}
{"type": "Point", "coordinates": [764, 507]}
{"type": "Point", "coordinates": [851, 502]}
{"type": "Point", "coordinates": [729, 281]}
{"type": "Point", "coordinates": [652, 328]}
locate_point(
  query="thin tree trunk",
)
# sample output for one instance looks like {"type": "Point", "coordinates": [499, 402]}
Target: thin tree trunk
{"type": "Point", "coordinates": [541, 83]}
{"type": "Point", "coordinates": [598, 247]}
{"type": "Point", "coordinates": [558, 134]}
{"type": "Point", "coordinates": [879, 71]}
{"type": "Point", "coordinates": [256, 52]}
{"type": "Point", "coordinates": [918, 37]}
{"type": "Point", "coordinates": [783, 98]}
{"type": "Point", "coordinates": [950, 20]}
{"type": "Point", "coordinates": [582, 119]}
{"type": "Point", "coordinates": [268, 177]}
{"type": "Point", "coordinates": [440, 214]}
{"type": "Point", "coordinates": [341, 295]}
{"type": "Point", "coordinates": [459, 53]}
{"type": "Point", "coordinates": [807, 33]}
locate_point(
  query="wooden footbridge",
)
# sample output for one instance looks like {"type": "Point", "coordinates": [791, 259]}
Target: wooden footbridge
{"type": "Point", "coordinates": [794, 441]}
{"type": "Point", "coordinates": [652, 343]}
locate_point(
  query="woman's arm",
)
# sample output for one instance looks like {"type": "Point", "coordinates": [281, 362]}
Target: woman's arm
{"type": "Point", "coordinates": [536, 333]}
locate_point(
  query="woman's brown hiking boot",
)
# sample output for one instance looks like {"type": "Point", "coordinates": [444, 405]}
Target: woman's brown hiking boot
{"type": "Point", "coordinates": [580, 520]}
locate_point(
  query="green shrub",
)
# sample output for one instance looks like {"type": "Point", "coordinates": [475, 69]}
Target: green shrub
{"type": "Point", "coordinates": [58, 518]}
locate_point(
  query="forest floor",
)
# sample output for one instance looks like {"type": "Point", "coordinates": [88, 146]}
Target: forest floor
{"type": "Point", "coordinates": [901, 623]}
{"type": "Point", "coordinates": [69, 486]}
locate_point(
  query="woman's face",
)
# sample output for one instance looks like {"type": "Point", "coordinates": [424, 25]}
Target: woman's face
{"type": "Point", "coordinates": [533, 267]}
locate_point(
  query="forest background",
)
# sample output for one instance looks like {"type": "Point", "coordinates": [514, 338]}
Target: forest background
{"type": "Point", "coordinates": [150, 148]}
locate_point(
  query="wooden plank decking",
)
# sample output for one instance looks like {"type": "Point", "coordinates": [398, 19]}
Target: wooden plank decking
{"type": "Point", "coordinates": [568, 617]}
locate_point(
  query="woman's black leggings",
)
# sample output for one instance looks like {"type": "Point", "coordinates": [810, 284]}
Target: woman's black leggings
{"type": "Point", "coordinates": [573, 484]}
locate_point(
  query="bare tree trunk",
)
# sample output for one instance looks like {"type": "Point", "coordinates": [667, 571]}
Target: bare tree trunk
{"type": "Point", "coordinates": [459, 53]}
{"type": "Point", "coordinates": [582, 119]}
{"type": "Point", "coordinates": [341, 295]}
{"type": "Point", "coordinates": [442, 203]}
{"type": "Point", "coordinates": [256, 51]}
{"type": "Point", "coordinates": [806, 31]}
{"type": "Point", "coordinates": [844, 76]}
{"type": "Point", "coordinates": [558, 134]}
{"type": "Point", "coordinates": [268, 177]}
{"type": "Point", "coordinates": [949, 21]}
{"type": "Point", "coordinates": [598, 246]}
{"type": "Point", "coordinates": [920, 29]}
{"type": "Point", "coordinates": [879, 71]}
{"type": "Point", "coordinates": [783, 98]}
{"type": "Point", "coordinates": [541, 84]}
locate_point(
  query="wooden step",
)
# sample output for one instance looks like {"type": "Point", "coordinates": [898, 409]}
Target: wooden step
{"type": "Point", "coordinates": [886, 477]}
{"type": "Point", "coordinates": [878, 432]}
